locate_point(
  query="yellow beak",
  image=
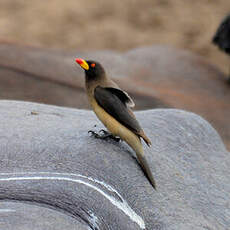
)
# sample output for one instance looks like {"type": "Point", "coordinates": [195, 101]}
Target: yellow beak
{"type": "Point", "coordinates": [82, 63]}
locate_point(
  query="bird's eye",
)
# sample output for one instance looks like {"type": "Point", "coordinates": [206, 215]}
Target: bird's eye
{"type": "Point", "coordinates": [93, 65]}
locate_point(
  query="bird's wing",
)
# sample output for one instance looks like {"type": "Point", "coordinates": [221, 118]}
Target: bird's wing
{"type": "Point", "coordinates": [111, 101]}
{"type": "Point", "coordinates": [122, 95]}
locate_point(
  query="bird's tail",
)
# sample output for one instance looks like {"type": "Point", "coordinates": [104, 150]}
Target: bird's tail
{"type": "Point", "coordinates": [145, 167]}
{"type": "Point", "coordinates": [134, 141]}
{"type": "Point", "coordinates": [145, 138]}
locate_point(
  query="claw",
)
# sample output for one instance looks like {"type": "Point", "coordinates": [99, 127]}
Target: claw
{"type": "Point", "coordinates": [106, 135]}
{"type": "Point", "coordinates": [104, 131]}
{"type": "Point", "coordinates": [117, 139]}
{"type": "Point", "coordinates": [94, 134]}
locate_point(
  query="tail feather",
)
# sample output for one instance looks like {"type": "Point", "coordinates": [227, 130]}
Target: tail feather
{"type": "Point", "coordinates": [145, 138]}
{"type": "Point", "coordinates": [141, 157]}
{"type": "Point", "coordinates": [144, 165]}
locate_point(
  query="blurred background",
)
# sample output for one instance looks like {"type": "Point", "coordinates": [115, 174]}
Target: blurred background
{"type": "Point", "coordinates": [156, 76]}
{"type": "Point", "coordinates": [118, 25]}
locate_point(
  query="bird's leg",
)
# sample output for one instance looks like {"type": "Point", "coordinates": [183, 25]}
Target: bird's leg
{"type": "Point", "coordinates": [106, 135]}
{"type": "Point", "coordinates": [96, 135]}
{"type": "Point", "coordinates": [104, 132]}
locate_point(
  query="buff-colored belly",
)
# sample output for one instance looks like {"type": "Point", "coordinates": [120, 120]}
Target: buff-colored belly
{"type": "Point", "coordinates": [116, 128]}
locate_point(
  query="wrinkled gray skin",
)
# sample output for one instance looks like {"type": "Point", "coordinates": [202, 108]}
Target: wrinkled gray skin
{"type": "Point", "coordinates": [55, 176]}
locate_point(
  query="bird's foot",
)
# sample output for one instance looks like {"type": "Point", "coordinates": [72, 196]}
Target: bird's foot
{"type": "Point", "coordinates": [105, 136]}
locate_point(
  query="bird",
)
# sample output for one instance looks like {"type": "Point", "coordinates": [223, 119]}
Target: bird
{"type": "Point", "coordinates": [112, 106]}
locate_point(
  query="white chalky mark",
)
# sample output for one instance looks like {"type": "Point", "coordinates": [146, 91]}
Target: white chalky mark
{"type": "Point", "coordinates": [6, 210]}
{"type": "Point", "coordinates": [94, 220]}
{"type": "Point", "coordinates": [122, 205]}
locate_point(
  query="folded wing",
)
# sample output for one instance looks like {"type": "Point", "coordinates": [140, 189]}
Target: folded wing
{"type": "Point", "coordinates": [122, 95]}
{"type": "Point", "coordinates": [114, 102]}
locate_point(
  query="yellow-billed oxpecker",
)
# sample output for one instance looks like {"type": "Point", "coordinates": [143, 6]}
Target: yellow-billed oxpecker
{"type": "Point", "coordinates": [113, 107]}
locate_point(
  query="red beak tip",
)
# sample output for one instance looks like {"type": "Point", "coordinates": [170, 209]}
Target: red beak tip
{"type": "Point", "coordinates": [79, 61]}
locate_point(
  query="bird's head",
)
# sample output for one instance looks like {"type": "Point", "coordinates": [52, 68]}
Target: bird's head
{"type": "Point", "coordinates": [93, 69]}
